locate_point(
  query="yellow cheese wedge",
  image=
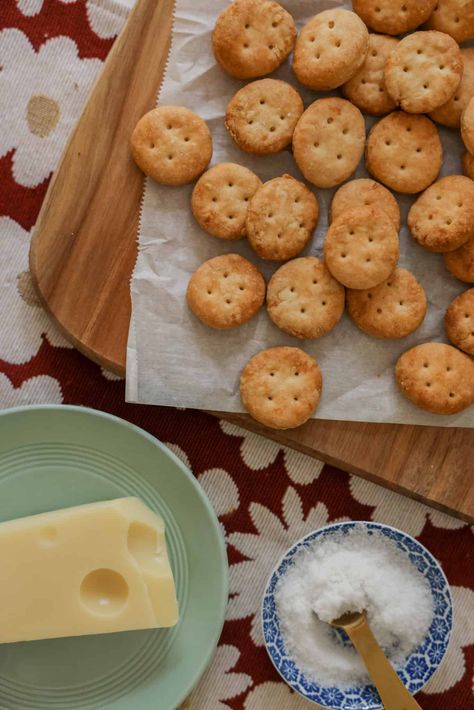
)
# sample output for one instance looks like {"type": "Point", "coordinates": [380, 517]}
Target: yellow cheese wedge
{"type": "Point", "coordinates": [91, 569]}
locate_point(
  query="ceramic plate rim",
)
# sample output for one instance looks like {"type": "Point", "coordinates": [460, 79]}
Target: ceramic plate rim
{"type": "Point", "coordinates": [207, 657]}
{"type": "Point", "coordinates": [342, 524]}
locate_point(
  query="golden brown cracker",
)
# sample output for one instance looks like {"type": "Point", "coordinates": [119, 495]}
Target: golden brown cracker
{"type": "Point", "coordinates": [436, 377]}
{"type": "Point", "coordinates": [226, 291]}
{"type": "Point", "coordinates": [303, 299]}
{"type": "Point", "coordinates": [281, 387]}
{"type": "Point", "coordinates": [172, 145]}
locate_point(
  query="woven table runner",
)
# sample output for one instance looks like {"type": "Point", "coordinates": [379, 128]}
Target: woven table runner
{"type": "Point", "coordinates": [266, 496]}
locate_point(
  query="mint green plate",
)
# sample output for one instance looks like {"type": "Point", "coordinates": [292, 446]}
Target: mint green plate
{"type": "Point", "coordinates": [57, 456]}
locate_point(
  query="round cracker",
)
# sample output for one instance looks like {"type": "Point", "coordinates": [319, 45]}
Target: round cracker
{"type": "Point", "coordinates": [261, 117]}
{"type": "Point", "coordinates": [393, 309]}
{"type": "Point", "coordinates": [449, 114]}
{"type": "Point", "coordinates": [172, 145]}
{"type": "Point", "coordinates": [393, 18]}
{"type": "Point", "coordinates": [365, 191]}
{"type": "Point", "coordinates": [221, 197]}
{"type": "Point", "coordinates": [361, 247]}
{"type": "Point", "coordinates": [328, 141]}
{"type": "Point", "coordinates": [467, 126]}
{"type": "Point", "coordinates": [226, 291]}
{"type": "Point", "coordinates": [455, 17]}
{"type": "Point", "coordinates": [252, 38]}
{"type": "Point", "coordinates": [303, 299]}
{"type": "Point", "coordinates": [423, 71]}
{"type": "Point", "coordinates": [404, 152]}
{"type": "Point", "coordinates": [281, 387]}
{"type": "Point", "coordinates": [442, 218]}
{"type": "Point", "coordinates": [330, 49]}
{"type": "Point", "coordinates": [436, 377]}
{"type": "Point", "coordinates": [281, 218]}
{"type": "Point", "coordinates": [367, 88]}
{"type": "Point", "coordinates": [459, 321]}
{"type": "Point", "coordinates": [461, 262]}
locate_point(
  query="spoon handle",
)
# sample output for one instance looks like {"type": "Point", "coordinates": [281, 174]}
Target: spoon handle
{"type": "Point", "coordinates": [392, 692]}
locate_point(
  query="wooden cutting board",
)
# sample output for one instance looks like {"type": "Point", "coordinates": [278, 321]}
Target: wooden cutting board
{"type": "Point", "coordinates": [84, 247]}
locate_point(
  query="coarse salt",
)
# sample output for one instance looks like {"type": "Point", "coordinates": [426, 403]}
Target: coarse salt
{"type": "Point", "coordinates": [356, 571]}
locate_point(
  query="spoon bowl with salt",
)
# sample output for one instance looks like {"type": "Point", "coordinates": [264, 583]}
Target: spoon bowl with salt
{"type": "Point", "coordinates": [392, 691]}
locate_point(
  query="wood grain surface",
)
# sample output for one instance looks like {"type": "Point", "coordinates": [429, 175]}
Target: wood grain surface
{"type": "Point", "coordinates": [83, 252]}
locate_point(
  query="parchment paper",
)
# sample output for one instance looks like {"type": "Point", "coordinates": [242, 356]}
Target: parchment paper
{"type": "Point", "coordinates": [175, 360]}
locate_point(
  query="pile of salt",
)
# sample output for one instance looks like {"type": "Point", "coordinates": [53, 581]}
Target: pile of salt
{"type": "Point", "coordinates": [351, 572]}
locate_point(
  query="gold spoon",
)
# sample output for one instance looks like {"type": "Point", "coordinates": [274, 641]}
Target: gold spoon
{"type": "Point", "coordinates": [392, 692]}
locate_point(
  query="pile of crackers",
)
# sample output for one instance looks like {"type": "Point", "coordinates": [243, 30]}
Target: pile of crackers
{"type": "Point", "coordinates": [413, 83]}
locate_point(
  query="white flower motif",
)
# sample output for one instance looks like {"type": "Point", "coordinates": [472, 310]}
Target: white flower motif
{"type": "Point", "coordinates": [276, 695]}
{"type": "Point", "coordinates": [221, 490]}
{"type": "Point", "coordinates": [111, 376]}
{"type": "Point", "coordinates": [452, 669]}
{"type": "Point", "coordinates": [219, 683]}
{"type": "Point", "coordinates": [44, 95]}
{"type": "Point", "coordinates": [258, 453]}
{"type": "Point", "coordinates": [37, 390]}
{"type": "Point", "coordinates": [105, 18]}
{"type": "Point", "coordinates": [23, 319]}
{"type": "Point", "coordinates": [33, 7]}
{"type": "Point", "coordinates": [217, 483]}
{"type": "Point", "coordinates": [397, 510]}
{"type": "Point", "coordinates": [179, 452]}
{"type": "Point", "coordinates": [247, 579]}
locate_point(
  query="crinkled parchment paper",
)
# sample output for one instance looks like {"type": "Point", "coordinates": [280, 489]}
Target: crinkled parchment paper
{"type": "Point", "coordinates": [175, 360]}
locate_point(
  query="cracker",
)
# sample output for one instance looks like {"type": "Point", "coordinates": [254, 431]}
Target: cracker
{"type": "Point", "coordinates": [328, 141]}
{"type": "Point", "coordinates": [281, 387]}
{"type": "Point", "coordinates": [365, 191]}
{"type": "Point", "coordinates": [281, 218]}
{"type": "Point", "coordinates": [330, 49]}
{"type": "Point", "coordinates": [461, 262]}
{"type": "Point", "coordinates": [449, 114]}
{"type": "Point", "coordinates": [172, 145]}
{"type": "Point", "coordinates": [226, 291]}
{"type": "Point", "coordinates": [391, 17]}
{"type": "Point", "coordinates": [455, 17]}
{"type": "Point", "coordinates": [262, 116]}
{"type": "Point", "coordinates": [393, 309]}
{"type": "Point", "coordinates": [423, 71]}
{"type": "Point", "coordinates": [468, 165]}
{"type": "Point", "coordinates": [436, 377]}
{"type": "Point", "coordinates": [221, 197]}
{"type": "Point", "coordinates": [367, 88]}
{"type": "Point", "coordinates": [252, 38]}
{"type": "Point", "coordinates": [303, 299]}
{"type": "Point", "coordinates": [404, 152]}
{"type": "Point", "coordinates": [459, 321]}
{"type": "Point", "coordinates": [442, 218]}
{"type": "Point", "coordinates": [467, 126]}
{"type": "Point", "coordinates": [361, 247]}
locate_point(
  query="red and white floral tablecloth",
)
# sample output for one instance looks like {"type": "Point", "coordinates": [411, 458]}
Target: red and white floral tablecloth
{"type": "Point", "coordinates": [265, 496]}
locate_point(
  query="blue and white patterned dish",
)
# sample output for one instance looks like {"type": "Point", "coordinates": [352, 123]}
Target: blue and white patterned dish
{"type": "Point", "coordinates": [419, 666]}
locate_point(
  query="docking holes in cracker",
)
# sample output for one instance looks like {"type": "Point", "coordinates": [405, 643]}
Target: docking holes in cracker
{"type": "Point", "coordinates": [262, 116]}
{"type": "Point", "coordinates": [330, 49]}
{"type": "Point", "coordinates": [281, 218]}
{"type": "Point", "coordinates": [404, 152]}
{"type": "Point", "coordinates": [280, 387]}
{"type": "Point", "coordinates": [436, 377]}
{"type": "Point", "coordinates": [226, 291]}
{"type": "Point", "coordinates": [221, 197]}
{"type": "Point", "coordinates": [303, 299]}
{"type": "Point", "coordinates": [361, 247]}
{"type": "Point", "coordinates": [328, 141]}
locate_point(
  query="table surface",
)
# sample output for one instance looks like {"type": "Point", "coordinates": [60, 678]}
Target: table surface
{"type": "Point", "coordinates": [266, 496]}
